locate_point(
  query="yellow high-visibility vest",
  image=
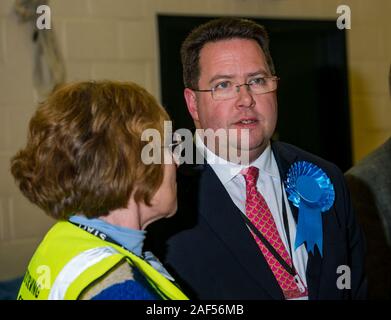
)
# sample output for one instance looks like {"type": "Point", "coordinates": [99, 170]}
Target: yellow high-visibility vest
{"type": "Point", "coordinates": [69, 259]}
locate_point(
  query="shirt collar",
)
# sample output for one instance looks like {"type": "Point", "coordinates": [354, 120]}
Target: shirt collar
{"type": "Point", "coordinates": [266, 163]}
{"type": "Point", "coordinates": [226, 170]}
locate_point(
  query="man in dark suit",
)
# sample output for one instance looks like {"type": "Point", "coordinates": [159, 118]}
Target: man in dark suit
{"type": "Point", "coordinates": [370, 184]}
{"type": "Point", "coordinates": [235, 235]}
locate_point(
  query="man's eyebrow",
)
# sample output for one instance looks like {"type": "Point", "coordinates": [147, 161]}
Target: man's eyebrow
{"type": "Point", "coordinates": [260, 72]}
{"type": "Point", "coordinates": [221, 76]}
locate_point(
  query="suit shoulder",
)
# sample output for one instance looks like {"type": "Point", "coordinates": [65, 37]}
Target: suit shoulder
{"type": "Point", "coordinates": [374, 164]}
{"type": "Point", "coordinates": [302, 155]}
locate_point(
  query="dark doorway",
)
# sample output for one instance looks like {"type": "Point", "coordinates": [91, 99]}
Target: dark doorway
{"type": "Point", "coordinates": [313, 99]}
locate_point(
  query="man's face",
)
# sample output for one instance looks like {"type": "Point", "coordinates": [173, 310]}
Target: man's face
{"type": "Point", "coordinates": [238, 61]}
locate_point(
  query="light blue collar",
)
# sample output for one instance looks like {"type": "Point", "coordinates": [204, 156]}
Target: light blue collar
{"type": "Point", "coordinates": [131, 239]}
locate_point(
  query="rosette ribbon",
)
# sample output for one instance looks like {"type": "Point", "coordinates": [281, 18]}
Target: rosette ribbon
{"type": "Point", "coordinates": [309, 189]}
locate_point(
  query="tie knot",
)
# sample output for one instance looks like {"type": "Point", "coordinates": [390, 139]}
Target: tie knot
{"type": "Point", "coordinates": [251, 175]}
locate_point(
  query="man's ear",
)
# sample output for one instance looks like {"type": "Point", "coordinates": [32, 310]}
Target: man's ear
{"type": "Point", "coordinates": [191, 102]}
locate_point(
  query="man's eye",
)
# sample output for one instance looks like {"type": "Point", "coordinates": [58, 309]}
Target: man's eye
{"type": "Point", "coordinates": [258, 81]}
{"type": "Point", "coordinates": [223, 85]}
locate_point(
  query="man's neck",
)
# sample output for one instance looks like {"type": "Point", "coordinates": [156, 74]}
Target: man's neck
{"type": "Point", "coordinates": [231, 154]}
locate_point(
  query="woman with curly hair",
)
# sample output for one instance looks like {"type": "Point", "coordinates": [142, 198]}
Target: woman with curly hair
{"type": "Point", "coordinates": [82, 165]}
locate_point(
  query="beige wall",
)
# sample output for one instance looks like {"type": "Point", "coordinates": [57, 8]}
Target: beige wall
{"type": "Point", "coordinates": [117, 39]}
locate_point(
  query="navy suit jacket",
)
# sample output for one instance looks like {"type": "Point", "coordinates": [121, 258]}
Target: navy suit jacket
{"type": "Point", "coordinates": [211, 253]}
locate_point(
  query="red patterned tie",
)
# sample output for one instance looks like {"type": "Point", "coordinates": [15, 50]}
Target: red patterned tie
{"type": "Point", "coordinates": [259, 214]}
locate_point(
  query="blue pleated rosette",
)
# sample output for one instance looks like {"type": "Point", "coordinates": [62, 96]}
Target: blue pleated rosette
{"type": "Point", "coordinates": [309, 189]}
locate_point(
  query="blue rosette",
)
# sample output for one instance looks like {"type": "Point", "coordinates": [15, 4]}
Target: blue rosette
{"type": "Point", "coordinates": [309, 189]}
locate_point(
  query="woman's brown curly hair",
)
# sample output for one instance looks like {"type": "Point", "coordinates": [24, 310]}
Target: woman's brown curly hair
{"type": "Point", "coordinates": [83, 153]}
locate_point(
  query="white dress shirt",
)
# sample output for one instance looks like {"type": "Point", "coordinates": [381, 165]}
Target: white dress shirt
{"type": "Point", "coordinates": [269, 185]}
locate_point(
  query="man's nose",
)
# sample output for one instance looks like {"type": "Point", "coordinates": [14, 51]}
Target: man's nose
{"type": "Point", "coordinates": [245, 97]}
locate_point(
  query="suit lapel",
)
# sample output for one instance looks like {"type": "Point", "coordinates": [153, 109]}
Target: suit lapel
{"type": "Point", "coordinates": [285, 159]}
{"type": "Point", "coordinates": [222, 215]}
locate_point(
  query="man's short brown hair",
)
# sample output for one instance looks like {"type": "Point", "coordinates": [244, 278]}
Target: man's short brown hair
{"type": "Point", "coordinates": [217, 30]}
{"type": "Point", "coordinates": [83, 153]}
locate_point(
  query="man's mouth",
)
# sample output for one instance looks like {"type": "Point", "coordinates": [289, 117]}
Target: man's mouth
{"type": "Point", "coordinates": [246, 122]}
